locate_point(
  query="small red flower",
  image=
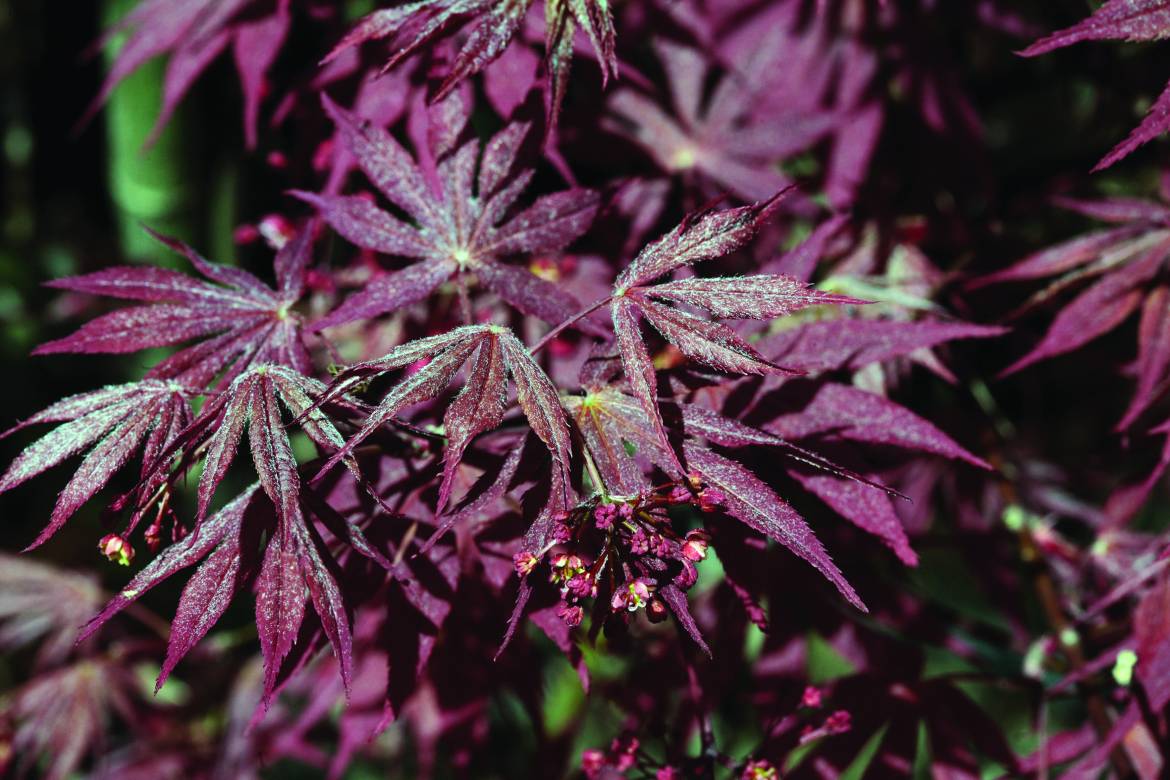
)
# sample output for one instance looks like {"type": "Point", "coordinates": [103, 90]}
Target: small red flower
{"type": "Point", "coordinates": [116, 549]}
{"type": "Point", "coordinates": [525, 562]}
{"type": "Point", "coordinates": [760, 770]}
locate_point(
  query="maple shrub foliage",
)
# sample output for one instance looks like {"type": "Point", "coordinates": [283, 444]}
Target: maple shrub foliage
{"type": "Point", "coordinates": [723, 406]}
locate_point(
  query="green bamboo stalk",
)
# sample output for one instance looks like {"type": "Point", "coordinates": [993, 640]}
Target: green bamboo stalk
{"type": "Point", "coordinates": [151, 186]}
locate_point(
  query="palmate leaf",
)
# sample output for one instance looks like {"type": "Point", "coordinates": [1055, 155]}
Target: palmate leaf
{"type": "Point", "coordinates": [493, 23]}
{"type": "Point", "coordinates": [701, 237]}
{"type": "Point", "coordinates": [43, 602]}
{"type": "Point", "coordinates": [63, 716]}
{"type": "Point", "coordinates": [1123, 265]}
{"type": "Point", "coordinates": [499, 352]}
{"type": "Point", "coordinates": [847, 343]}
{"type": "Point", "coordinates": [195, 33]}
{"type": "Point", "coordinates": [1123, 20]}
{"type": "Point", "coordinates": [463, 227]}
{"type": "Point", "coordinates": [243, 321]}
{"type": "Point", "coordinates": [730, 140]}
{"type": "Point", "coordinates": [221, 530]}
{"type": "Point", "coordinates": [752, 502]}
{"type": "Point", "coordinates": [849, 413]}
{"type": "Point", "coordinates": [292, 565]}
{"type": "Point", "coordinates": [110, 425]}
{"type": "Point", "coordinates": [293, 568]}
{"type": "Point", "coordinates": [608, 419]}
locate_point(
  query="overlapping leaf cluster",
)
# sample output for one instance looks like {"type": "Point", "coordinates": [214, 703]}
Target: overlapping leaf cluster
{"type": "Point", "coordinates": [471, 395]}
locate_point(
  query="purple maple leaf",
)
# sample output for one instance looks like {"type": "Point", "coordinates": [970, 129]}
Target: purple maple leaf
{"type": "Point", "coordinates": [62, 716]}
{"type": "Point", "coordinates": [463, 225]}
{"type": "Point", "coordinates": [242, 320]}
{"type": "Point", "coordinates": [110, 424]}
{"type": "Point", "coordinates": [479, 407]}
{"type": "Point", "coordinates": [608, 419]}
{"type": "Point", "coordinates": [496, 23]}
{"type": "Point", "coordinates": [730, 138]}
{"type": "Point", "coordinates": [195, 33]}
{"type": "Point", "coordinates": [1122, 20]}
{"type": "Point", "coordinates": [1121, 264]}
{"type": "Point", "coordinates": [846, 412]}
{"type": "Point", "coordinates": [701, 237]}
{"type": "Point", "coordinates": [293, 562]}
{"type": "Point", "coordinates": [39, 601]}
{"type": "Point", "coordinates": [847, 343]}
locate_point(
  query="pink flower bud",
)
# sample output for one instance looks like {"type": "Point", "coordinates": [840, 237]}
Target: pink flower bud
{"type": "Point", "coordinates": [694, 548]}
{"type": "Point", "coordinates": [622, 753]}
{"type": "Point", "coordinates": [603, 516]}
{"type": "Point", "coordinates": [116, 549]}
{"type": "Point", "coordinates": [277, 230]}
{"type": "Point", "coordinates": [525, 562]}
{"type": "Point", "coordinates": [660, 546]}
{"type": "Point", "coordinates": [811, 697]}
{"type": "Point", "coordinates": [839, 722]}
{"type": "Point", "coordinates": [560, 533]}
{"type": "Point", "coordinates": [592, 762]}
{"type": "Point", "coordinates": [153, 535]}
{"type": "Point", "coordinates": [711, 499]}
{"type": "Point", "coordinates": [323, 155]}
{"type": "Point", "coordinates": [581, 586]}
{"type": "Point", "coordinates": [245, 234]}
{"type": "Point", "coordinates": [572, 614]}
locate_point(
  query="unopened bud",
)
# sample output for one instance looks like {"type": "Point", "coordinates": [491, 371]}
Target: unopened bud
{"type": "Point", "coordinates": [116, 549]}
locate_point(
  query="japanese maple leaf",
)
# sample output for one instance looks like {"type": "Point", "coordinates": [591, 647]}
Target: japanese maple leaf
{"type": "Point", "coordinates": [701, 237]}
{"type": "Point", "coordinates": [728, 138]}
{"type": "Point", "coordinates": [111, 423]}
{"type": "Point", "coordinates": [63, 716]}
{"type": "Point", "coordinates": [849, 343]}
{"type": "Point", "coordinates": [494, 23]}
{"type": "Point", "coordinates": [294, 561]}
{"type": "Point", "coordinates": [462, 221]}
{"type": "Point", "coordinates": [1126, 264]}
{"type": "Point", "coordinates": [41, 601]}
{"type": "Point", "coordinates": [195, 33]}
{"type": "Point", "coordinates": [609, 420]}
{"type": "Point", "coordinates": [479, 407]}
{"type": "Point", "coordinates": [1127, 20]}
{"type": "Point", "coordinates": [247, 321]}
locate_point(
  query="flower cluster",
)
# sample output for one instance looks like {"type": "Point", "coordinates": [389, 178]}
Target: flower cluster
{"type": "Point", "coordinates": [625, 550]}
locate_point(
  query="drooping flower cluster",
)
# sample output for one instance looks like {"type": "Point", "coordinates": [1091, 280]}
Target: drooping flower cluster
{"type": "Point", "coordinates": [622, 555]}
